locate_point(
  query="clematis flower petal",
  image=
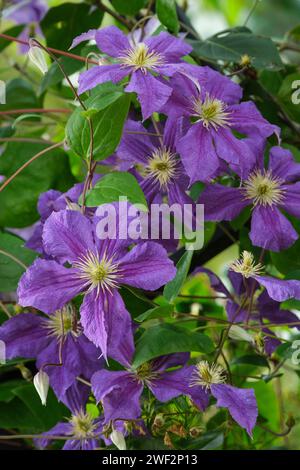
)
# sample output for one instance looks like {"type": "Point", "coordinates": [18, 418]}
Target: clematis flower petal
{"type": "Point", "coordinates": [241, 404]}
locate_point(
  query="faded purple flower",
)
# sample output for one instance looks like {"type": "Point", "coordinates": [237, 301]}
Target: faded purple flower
{"type": "Point", "coordinates": [147, 63]}
{"type": "Point", "coordinates": [268, 191]}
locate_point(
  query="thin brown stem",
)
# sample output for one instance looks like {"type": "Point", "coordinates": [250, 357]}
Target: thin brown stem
{"type": "Point", "coordinates": [26, 164]}
{"type": "Point", "coordinates": [51, 49]}
{"type": "Point", "coordinates": [9, 255]}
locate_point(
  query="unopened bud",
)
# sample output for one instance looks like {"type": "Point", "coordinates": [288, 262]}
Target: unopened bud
{"type": "Point", "coordinates": [41, 383]}
{"type": "Point", "coordinates": [245, 60]}
{"type": "Point", "coordinates": [25, 372]}
{"type": "Point", "coordinates": [259, 341]}
{"type": "Point", "coordinates": [195, 431]}
{"type": "Point", "coordinates": [118, 439]}
{"type": "Point", "coordinates": [37, 57]}
{"type": "Point", "coordinates": [239, 334]}
{"type": "Point", "coordinates": [195, 309]}
{"type": "Point", "coordinates": [290, 422]}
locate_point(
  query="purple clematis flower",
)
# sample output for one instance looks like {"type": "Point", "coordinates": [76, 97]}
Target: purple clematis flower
{"type": "Point", "coordinates": [241, 403]}
{"type": "Point", "coordinates": [27, 12]}
{"type": "Point", "coordinates": [120, 391]}
{"type": "Point", "coordinates": [33, 336]}
{"type": "Point", "coordinates": [146, 62]}
{"type": "Point", "coordinates": [268, 191]}
{"type": "Point", "coordinates": [278, 289]}
{"type": "Point", "coordinates": [96, 268]}
{"type": "Point", "coordinates": [157, 161]}
{"type": "Point", "coordinates": [82, 431]}
{"type": "Point", "coordinates": [263, 308]}
{"type": "Point", "coordinates": [211, 103]}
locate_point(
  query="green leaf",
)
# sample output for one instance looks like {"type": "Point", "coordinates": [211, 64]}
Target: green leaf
{"type": "Point", "coordinates": [19, 94]}
{"type": "Point", "coordinates": [108, 124]}
{"type": "Point", "coordinates": [113, 186]}
{"type": "Point", "coordinates": [167, 339]}
{"type": "Point", "coordinates": [19, 199]}
{"type": "Point", "coordinates": [173, 287]}
{"type": "Point", "coordinates": [44, 416]}
{"type": "Point", "coordinates": [6, 389]}
{"type": "Point", "coordinates": [167, 15]}
{"type": "Point", "coordinates": [130, 8]}
{"type": "Point", "coordinates": [252, 359]}
{"type": "Point", "coordinates": [232, 44]}
{"type": "Point", "coordinates": [63, 23]}
{"type": "Point", "coordinates": [10, 269]}
{"type": "Point", "coordinates": [156, 312]}
{"type": "Point", "coordinates": [288, 260]}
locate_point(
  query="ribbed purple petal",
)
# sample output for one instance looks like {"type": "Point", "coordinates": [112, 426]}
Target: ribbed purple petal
{"type": "Point", "coordinates": [101, 74]}
{"type": "Point", "coordinates": [152, 92]}
{"type": "Point", "coordinates": [221, 202]}
{"type": "Point", "coordinates": [271, 230]}
{"type": "Point", "coordinates": [112, 41]}
{"type": "Point", "coordinates": [24, 335]}
{"type": "Point", "coordinates": [241, 404]}
{"type": "Point", "coordinates": [198, 154]}
{"type": "Point", "coordinates": [48, 286]}
{"type": "Point", "coordinates": [147, 266]}
{"type": "Point", "coordinates": [68, 235]}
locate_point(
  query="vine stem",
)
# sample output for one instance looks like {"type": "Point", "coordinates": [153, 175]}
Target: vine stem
{"type": "Point", "coordinates": [55, 51]}
{"type": "Point", "coordinates": [9, 255]}
{"type": "Point", "coordinates": [26, 164]}
{"type": "Point", "coordinates": [113, 13]}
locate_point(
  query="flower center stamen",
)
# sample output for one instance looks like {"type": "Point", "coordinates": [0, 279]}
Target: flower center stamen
{"type": "Point", "coordinates": [206, 375]}
{"type": "Point", "coordinates": [82, 425]}
{"type": "Point", "coordinates": [145, 373]}
{"type": "Point", "coordinates": [263, 189]}
{"type": "Point", "coordinates": [212, 112]}
{"type": "Point", "coordinates": [162, 166]}
{"type": "Point", "coordinates": [246, 265]}
{"type": "Point", "coordinates": [140, 58]}
{"type": "Point", "coordinates": [61, 323]}
{"type": "Point", "coordinates": [98, 273]}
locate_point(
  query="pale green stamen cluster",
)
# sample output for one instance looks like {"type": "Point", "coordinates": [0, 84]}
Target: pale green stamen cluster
{"type": "Point", "coordinates": [162, 166]}
{"type": "Point", "coordinates": [82, 425]}
{"type": "Point", "coordinates": [263, 189]}
{"type": "Point", "coordinates": [101, 274]}
{"type": "Point", "coordinates": [211, 112]}
{"type": "Point", "coordinates": [140, 58]}
{"type": "Point", "coordinates": [60, 323]}
{"type": "Point", "coordinates": [246, 265]}
{"type": "Point", "coordinates": [206, 375]}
